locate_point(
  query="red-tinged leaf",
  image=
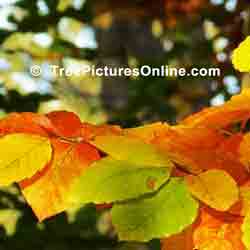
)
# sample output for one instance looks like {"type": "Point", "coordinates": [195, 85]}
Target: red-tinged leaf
{"type": "Point", "coordinates": [182, 241]}
{"type": "Point", "coordinates": [233, 111]}
{"type": "Point", "coordinates": [29, 123]}
{"type": "Point", "coordinates": [46, 192]}
{"type": "Point", "coordinates": [66, 124]}
{"type": "Point", "coordinates": [218, 231]}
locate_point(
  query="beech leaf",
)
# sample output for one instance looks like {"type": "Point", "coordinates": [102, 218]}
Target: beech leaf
{"type": "Point", "coordinates": [132, 150]}
{"type": "Point", "coordinates": [215, 188]}
{"type": "Point", "coordinates": [110, 180]}
{"type": "Point", "coordinates": [21, 156]}
{"type": "Point", "coordinates": [163, 214]}
{"type": "Point", "coordinates": [46, 192]}
{"type": "Point", "coordinates": [246, 231]}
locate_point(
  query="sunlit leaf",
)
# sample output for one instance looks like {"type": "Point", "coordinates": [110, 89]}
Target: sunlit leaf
{"type": "Point", "coordinates": [218, 231]}
{"type": "Point", "coordinates": [46, 192]}
{"type": "Point", "coordinates": [241, 56]}
{"type": "Point", "coordinates": [215, 188]}
{"type": "Point", "coordinates": [110, 180]}
{"type": "Point", "coordinates": [66, 124]}
{"type": "Point", "coordinates": [21, 156]}
{"type": "Point", "coordinates": [147, 132]}
{"type": "Point", "coordinates": [233, 111]}
{"type": "Point", "coordinates": [246, 231]}
{"type": "Point", "coordinates": [181, 241]}
{"type": "Point", "coordinates": [132, 150]}
{"type": "Point", "coordinates": [165, 213]}
{"type": "Point", "coordinates": [245, 151]}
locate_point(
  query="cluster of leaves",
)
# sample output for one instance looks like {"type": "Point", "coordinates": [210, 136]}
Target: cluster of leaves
{"type": "Point", "coordinates": [189, 182]}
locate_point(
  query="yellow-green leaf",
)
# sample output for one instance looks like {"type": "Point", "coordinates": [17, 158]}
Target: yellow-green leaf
{"type": "Point", "coordinates": [163, 214]}
{"type": "Point", "coordinates": [21, 156]}
{"type": "Point", "coordinates": [215, 188]}
{"type": "Point", "coordinates": [109, 180]}
{"type": "Point", "coordinates": [132, 150]}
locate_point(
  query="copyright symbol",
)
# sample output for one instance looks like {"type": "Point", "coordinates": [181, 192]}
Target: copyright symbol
{"type": "Point", "coordinates": [35, 70]}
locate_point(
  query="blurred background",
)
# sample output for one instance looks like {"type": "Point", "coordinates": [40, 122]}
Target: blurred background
{"type": "Point", "coordinates": [177, 33]}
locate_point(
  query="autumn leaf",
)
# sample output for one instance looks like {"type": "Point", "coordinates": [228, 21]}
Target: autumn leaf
{"type": "Point", "coordinates": [246, 231]}
{"type": "Point", "coordinates": [147, 132]}
{"type": "Point", "coordinates": [109, 180]}
{"type": "Point", "coordinates": [181, 241]}
{"type": "Point", "coordinates": [185, 146]}
{"type": "Point", "coordinates": [132, 150]}
{"type": "Point", "coordinates": [215, 188]}
{"type": "Point", "coordinates": [29, 123]}
{"type": "Point", "coordinates": [233, 111]}
{"type": "Point", "coordinates": [65, 124]}
{"type": "Point", "coordinates": [21, 156]}
{"type": "Point", "coordinates": [245, 151]}
{"type": "Point", "coordinates": [165, 213]}
{"type": "Point", "coordinates": [242, 207]}
{"type": "Point", "coordinates": [89, 131]}
{"type": "Point", "coordinates": [241, 56]}
{"type": "Point", "coordinates": [46, 192]}
{"type": "Point", "coordinates": [198, 149]}
{"type": "Point", "coordinates": [218, 231]}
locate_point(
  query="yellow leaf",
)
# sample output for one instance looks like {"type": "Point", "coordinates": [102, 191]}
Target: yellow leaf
{"type": "Point", "coordinates": [241, 56]}
{"type": "Point", "coordinates": [21, 156]}
{"type": "Point", "coordinates": [215, 188]}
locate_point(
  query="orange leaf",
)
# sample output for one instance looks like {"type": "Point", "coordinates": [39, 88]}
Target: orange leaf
{"type": "Point", "coordinates": [46, 192]}
{"type": "Point", "coordinates": [218, 231]}
{"type": "Point", "coordinates": [25, 123]}
{"type": "Point", "coordinates": [182, 241]}
{"type": "Point", "coordinates": [200, 149]}
{"type": "Point", "coordinates": [191, 148]}
{"type": "Point", "coordinates": [90, 131]}
{"type": "Point", "coordinates": [147, 132]}
{"type": "Point", "coordinates": [233, 111]}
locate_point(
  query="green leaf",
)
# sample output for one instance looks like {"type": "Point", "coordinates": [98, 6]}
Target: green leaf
{"type": "Point", "coordinates": [132, 150]}
{"type": "Point", "coordinates": [165, 213]}
{"type": "Point", "coordinates": [246, 231]}
{"type": "Point", "coordinates": [110, 180]}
